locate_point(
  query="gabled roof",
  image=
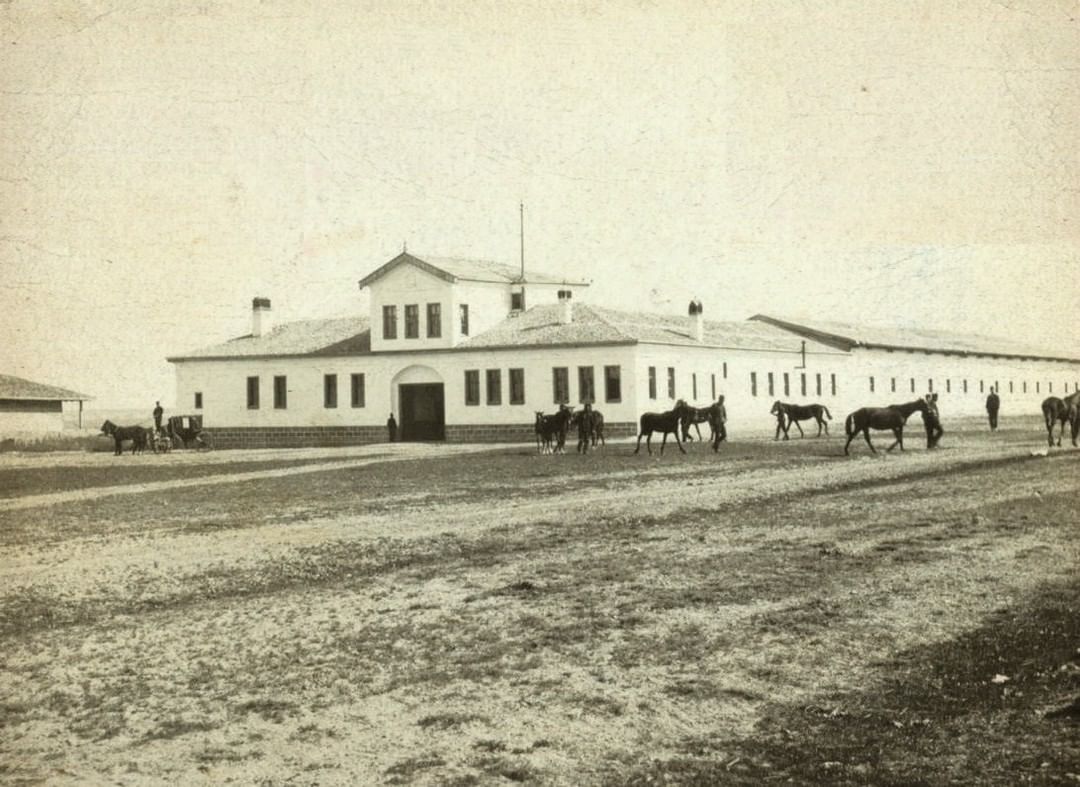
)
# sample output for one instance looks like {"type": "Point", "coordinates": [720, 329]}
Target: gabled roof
{"type": "Point", "coordinates": [18, 388]}
{"type": "Point", "coordinates": [847, 337]}
{"type": "Point", "coordinates": [594, 325]}
{"type": "Point", "coordinates": [454, 269]}
{"type": "Point", "coordinates": [341, 336]}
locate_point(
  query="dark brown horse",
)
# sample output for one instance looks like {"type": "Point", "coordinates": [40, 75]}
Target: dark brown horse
{"type": "Point", "coordinates": [138, 436]}
{"type": "Point", "coordinates": [892, 417]}
{"type": "Point", "coordinates": [551, 430]}
{"type": "Point", "coordinates": [1060, 412]}
{"type": "Point", "coordinates": [695, 416]}
{"type": "Point", "coordinates": [800, 412]}
{"type": "Point", "coordinates": [667, 423]}
{"type": "Point", "coordinates": [596, 428]}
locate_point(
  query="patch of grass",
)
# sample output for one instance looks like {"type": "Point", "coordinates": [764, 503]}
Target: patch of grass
{"type": "Point", "coordinates": [268, 710]}
{"type": "Point", "coordinates": [176, 728]}
{"type": "Point", "coordinates": [401, 772]}
{"type": "Point", "coordinates": [449, 721]}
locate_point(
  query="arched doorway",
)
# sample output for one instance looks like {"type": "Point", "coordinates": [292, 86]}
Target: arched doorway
{"type": "Point", "coordinates": [418, 391]}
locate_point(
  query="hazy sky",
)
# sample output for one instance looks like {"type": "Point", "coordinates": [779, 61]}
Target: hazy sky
{"type": "Point", "coordinates": [161, 163]}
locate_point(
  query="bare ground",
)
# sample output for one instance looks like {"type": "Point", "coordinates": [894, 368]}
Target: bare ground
{"type": "Point", "coordinates": [434, 616]}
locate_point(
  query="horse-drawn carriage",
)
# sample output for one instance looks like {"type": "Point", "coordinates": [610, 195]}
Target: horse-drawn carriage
{"type": "Point", "coordinates": [186, 431]}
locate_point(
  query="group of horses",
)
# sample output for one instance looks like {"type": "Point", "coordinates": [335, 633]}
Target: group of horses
{"type": "Point", "coordinates": [139, 436]}
{"type": "Point", "coordinates": [551, 430]}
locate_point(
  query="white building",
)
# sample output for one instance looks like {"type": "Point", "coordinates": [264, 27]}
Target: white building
{"type": "Point", "coordinates": [29, 409]}
{"type": "Point", "coordinates": [466, 350]}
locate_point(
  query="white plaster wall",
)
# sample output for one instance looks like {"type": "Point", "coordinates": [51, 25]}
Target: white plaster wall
{"type": "Point", "coordinates": [408, 284]}
{"type": "Point", "coordinates": [488, 306]}
{"type": "Point", "coordinates": [30, 424]}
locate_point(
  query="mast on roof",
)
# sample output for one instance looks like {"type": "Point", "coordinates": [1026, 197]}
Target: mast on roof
{"type": "Point", "coordinates": [521, 208]}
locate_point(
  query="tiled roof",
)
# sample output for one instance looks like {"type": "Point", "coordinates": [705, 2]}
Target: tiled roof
{"type": "Point", "coordinates": [594, 325]}
{"type": "Point", "coordinates": [847, 336]}
{"type": "Point", "coordinates": [18, 388]}
{"type": "Point", "coordinates": [342, 336]}
{"type": "Point", "coordinates": [459, 269]}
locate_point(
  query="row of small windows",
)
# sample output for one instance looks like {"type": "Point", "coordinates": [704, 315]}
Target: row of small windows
{"type": "Point", "coordinates": [785, 379]}
{"type": "Point", "coordinates": [560, 384]}
{"type": "Point", "coordinates": [963, 386]}
{"type": "Point", "coordinates": [694, 391]}
{"type": "Point", "coordinates": [412, 320]}
{"type": "Point", "coordinates": [281, 392]}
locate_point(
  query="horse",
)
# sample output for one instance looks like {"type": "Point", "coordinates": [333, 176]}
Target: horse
{"type": "Point", "coordinates": [552, 429]}
{"type": "Point", "coordinates": [667, 423]}
{"type": "Point", "coordinates": [892, 417]}
{"type": "Point", "coordinates": [136, 434]}
{"type": "Point", "coordinates": [695, 416]}
{"type": "Point", "coordinates": [596, 432]}
{"type": "Point", "coordinates": [1061, 411]}
{"type": "Point", "coordinates": [800, 412]}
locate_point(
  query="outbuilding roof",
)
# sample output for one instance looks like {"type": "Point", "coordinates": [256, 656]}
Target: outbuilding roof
{"type": "Point", "coordinates": [846, 336]}
{"type": "Point", "coordinates": [19, 388]}
{"type": "Point", "coordinates": [595, 325]}
{"type": "Point", "coordinates": [340, 336]}
{"type": "Point", "coordinates": [454, 269]}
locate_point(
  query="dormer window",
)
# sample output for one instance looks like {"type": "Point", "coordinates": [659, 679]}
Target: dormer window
{"type": "Point", "coordinates": [517, 301]}
{"type": "Point", "coordinates": [412, 321]}
{"type": "Point", "coordinates": [389, 322]}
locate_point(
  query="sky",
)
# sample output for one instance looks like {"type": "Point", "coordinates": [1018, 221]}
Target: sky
{"type": "Point", "coordinates": [162, 162]}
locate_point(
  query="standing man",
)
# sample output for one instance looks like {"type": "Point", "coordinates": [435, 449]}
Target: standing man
{"type": "Point", "coordinates": [391, 428]}
{"type": "Point", "coordinates": [932, 421]}
{"type": "Point", "coordinates": [993, 404]}
{"type": "Point", "coordinates": [158, 413]}
{"type": "Point", "coordinates": [719, 419]}
{"type": "Point", "coordinates": [584, 428]}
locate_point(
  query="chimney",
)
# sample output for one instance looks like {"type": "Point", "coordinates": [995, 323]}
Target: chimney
{"type": "Point", "coordinates": [697, 321]}
{"type": "Point", "coordinates": [261, 321]}
{"type": "Point", "coordinates": [565, 314]}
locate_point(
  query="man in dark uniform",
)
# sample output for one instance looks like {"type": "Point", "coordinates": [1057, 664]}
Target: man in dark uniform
{"type": "Point", "coordinates": [584, 428]}
{"type": "Point", "coordinates": [158, 413]}
{"type": "Point", "coordinates": [391, 427]}
{"type": "Point", "coordinates": [932, 422]}
{"type": "Point", "coordinates": [993, 404]}
{"type": "Point", "coordinates": [719, 419]}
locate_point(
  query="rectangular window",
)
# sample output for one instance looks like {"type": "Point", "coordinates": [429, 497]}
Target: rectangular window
{"type": "Point", "coordinates": [693, 385]}
{"type": "Point", "coordinates": [948, 385]}
{"type": "Point", "coordinates": [356, 392]}
{"type": "Point", "coordinates": [1011, 387]}
{"type": "Point", "coordinates": [281, 393]}
{"type": "Point", "coordinates": [560, 379]}
{"type": "Point", "coordinates": [772, 391]}
{"type": "Point", "coordinates": [517, 301]}
{"type": "Point", "coordinates": [494, 386]}
{"type": "Point", "coordinates": [652, 382]}
{"type": "Point", "coordinates": [389, 322]}
{"type": "Point", "coordinates": [713, 388]}
{"type": "Point", "coordinates": [893, 385]}
{"type": "Point", "coordinates": [463, 312]}
{"type": "Point", "coordinates": [412, 321]}
{"type": "Point", "coordinates": [802, 383]}
{"type": "Point", "coordinates": [753, 383]}
{"type": "Point", "coordinates": [434, 320]}
{"type": "Point", "coordinates": [1023, 386]}
{"type": "Point", "coordinates": [818, 384]}
{"type": "Point", "coordinates": [198, 400]}
{"type": "Point", "coordinates": [586, 389]}
{"type": "Point", "coordinates": [612, 384]}
{"type": "Point", "coordinates": [965, 385]}
{"type": "Point", "coordinates": [671, 382]}
{"type": "Point", "coordinates": [472, 387]}
{"type": "Point", "coordinates": [930, 384]}
{"type": "Point", "coordinates": [517, 386]}
{"type": "Point", "coordinates": [1049, 387]}
{"type": "Point", "coordinates": [871, 384]}
{"type": "Point", "coordinates": [832, 383]}
{"type": "Point", "coordinates": [253, 393]}
{"type": "Point", "coordinates": [725, 370]}
{"type": "Point", "coordinates": [787, 385]}
{"type": "Point", "coordinates": [1036, 385]}
{"type": "Point", "coordinates": [982, 388]}
{"type": "Point", "coordinates": [329, 390]}
{"type": "Point", "coordinates": [913, 385]}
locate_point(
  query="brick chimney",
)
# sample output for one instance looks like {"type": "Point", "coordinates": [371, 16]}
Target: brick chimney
{"type": "Point", "coordinates": [566, 315]}
{"type": "Point", "coordinates": [261, 320]}
{"type": "Point", "coordinates": [697, 321]}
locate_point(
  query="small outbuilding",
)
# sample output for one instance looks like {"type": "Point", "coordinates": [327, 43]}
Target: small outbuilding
{"type": "Point", "coordinates": [28, 408]}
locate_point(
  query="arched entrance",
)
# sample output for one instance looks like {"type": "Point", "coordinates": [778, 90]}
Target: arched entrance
{"type": "Point", "coordinates": [418, 391]}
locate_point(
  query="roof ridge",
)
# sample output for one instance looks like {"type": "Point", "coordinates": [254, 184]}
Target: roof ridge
{"type": "Point", "coordinates": [602, 318]}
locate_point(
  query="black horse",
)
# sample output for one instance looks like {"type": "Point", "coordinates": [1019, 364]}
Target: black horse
{"type": "Point", "coordinates": [695, 416]}
{"type": "Point", "coordinates": [551, 430]}
{"type": "Point", "coordinates": [1060, 412]}
{"type": "Point", "coordinates": [595, 430]}
{"type": "Point", "coordinates": [800, 412]}
{"type": "Point", "coordinates": [892, 417]}
{"type": "Point", "coordinates": [138, 436]}
{"type": "Point", "coordinates": [667, 423]}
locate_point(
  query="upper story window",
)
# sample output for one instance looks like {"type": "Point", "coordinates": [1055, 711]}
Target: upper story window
{"type": "Point", "coordinates": [412, 321]}
{"type": "Point", "coordinates": [434, 320]}
{"type": "Point", "coordinates": [517, 301]}
{"type": "Point", "coordinates": [463, 313]}
{"type": "Point", "coordinates": [198, 400]}
{"type": "Point", "coordinates": [389, 322]}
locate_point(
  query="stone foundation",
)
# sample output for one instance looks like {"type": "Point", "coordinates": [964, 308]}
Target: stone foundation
{"type": "Point", "coordinates": [319, 436]}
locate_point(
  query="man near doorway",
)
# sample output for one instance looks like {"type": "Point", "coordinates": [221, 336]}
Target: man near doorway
{"type": "Point", "coordinates": [391, 428]}
{"type": "Point", "coordinates": [158, 413]}
{"type": "Point", "coordinates": [993, 404]}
